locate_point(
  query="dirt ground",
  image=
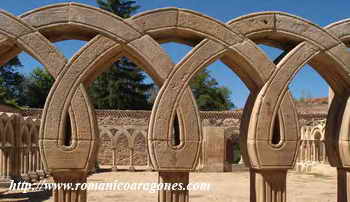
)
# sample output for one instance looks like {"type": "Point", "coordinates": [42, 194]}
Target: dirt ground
{"type": "Point", "coordinates": [318, 186]}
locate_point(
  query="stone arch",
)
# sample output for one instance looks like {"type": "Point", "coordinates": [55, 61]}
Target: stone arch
{"type": "Point", "coordinates": [34, 158]}
{"type": "Point", "coordinates": [9, 136]}
{"type": "Point", "coordinates": [140, 154]}
{"type": "Point", "coordinates": [24, 136]}
{"type": "Point", "coordinates": [337, 147]}
{"type": "Point", "coordinates": [82, 22]}
{"type": "Point", "coordinates": [24, 151]}
{"type": "Point", "coordinates": [341, 30]}
{"type": "Point", "coordinates": [34, 133]}
{"type": "Point", "coordinates": [106, 145]}
{"type": "Point", "coordinates": [185, 14]}
{"type": "Point", "coordinates": [123, 150]}
{"type": "Point", "coordinates": [48, 25]}
{"type": "Point", "coordinates": [317, 144]}
{"type": "Point", "coordinates": [282, 30]}
{"type": "Point", "coordinates": [35, 44]}
{"type": "Point", "coordinates": [249, 73]}
{"type": "Point", "coordinates": [180, 24]}
{"type": "Point", "coordinates": [322, 48]}
{"type": "Point", "coordinates": [317, 133]}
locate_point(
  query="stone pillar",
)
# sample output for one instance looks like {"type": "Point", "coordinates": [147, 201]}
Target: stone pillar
{"type": "Point", "coordinates": [33, 173]}
{"type": "Point", "coordinates": [241, 160]}
{"type": "Point", "coordinates": [40, 171]}
{"type": "Point", "coordinates": [169, 195]}
{"type": "Point", "coordinates": [319, 154]}
{"type": "Point", "coordinates": [268, 185]}
{"type": "Point", "coordinates": [343, 189]}
{"type": "Point", "coordinates": [303, 151]}
{"type": "Point", "coordinates": [310, 151]}
{"type": "Point", "coordinates": [114, 159]}
{"type": "Point", "coordinates": [324, 154]}
{"type": "Point", "coordinates": [300, 153]}
{"type": "Point", "coordinates": [314, 155]}
{"type": "Point", "coordinates": [131, 165]}
{"type": "Point", "coordinates": [6, 164]}
{"type": "Point", "coordinates": [214, 149]}
{"type": "Point", "coordinates": [72, 195]}
{"type": "Point", "coordinates": [25, 164]}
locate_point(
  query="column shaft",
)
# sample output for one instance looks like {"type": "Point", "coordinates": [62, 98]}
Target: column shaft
{"type": "Point", "coordinates": [268, 185]}
{"type": "Point", "coordinates": [170, 195]}
{"type": "Point", "coordinates": [73, 195]}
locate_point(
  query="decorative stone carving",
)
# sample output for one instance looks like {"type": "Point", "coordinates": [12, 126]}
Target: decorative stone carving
{"type": "Point", "coordinates": [269, 127]}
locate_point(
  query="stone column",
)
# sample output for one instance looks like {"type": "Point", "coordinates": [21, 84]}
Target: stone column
{"type": "Point", "coordinates": [323, 152]}
{"type": "Point", "coordinates": [25, 164]}
{"type": "Point", "coordinates": [22, 161]}
{"type": "Point", "coordinates": [309, 158]}
{"type": "Point", "coordinates": [40, 169]}
{"type": "Point", "coordinates": [313, 146]}
{"type": "Point", "coordinates": [131, 165]}
{"type": "Point", "coordinates": [241, 160]}
{"type": "Point", "coordinates": [73, 195]}
{"type": "Point", "coordinates": [300, 154]}
{"type": "Point", "coordinates": [268, 185]}
{"type": "Point", "coordinates": [343, 189]}
{"type": "Point", "coordinates": [6, 164]}
{"type": "Point", "coordinates": [114, 159]}
{"type": "Point", "coordinates": [303, 159]}
{"type": "Point", "coordinates": [33, 174]}
{"type": "Point", "coordinates": [169, 195]}
{"type": "Point", "coordinates": [319, 154]}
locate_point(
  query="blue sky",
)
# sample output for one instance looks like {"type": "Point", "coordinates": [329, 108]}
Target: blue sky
{"type": "Point", "coordinates": [307, 80]}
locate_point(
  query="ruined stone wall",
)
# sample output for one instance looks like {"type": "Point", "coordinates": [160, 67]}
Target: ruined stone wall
{"type": "Point", "coordinates": [123, 141]}
{"type": "Point", "coordinates": [19, 148]}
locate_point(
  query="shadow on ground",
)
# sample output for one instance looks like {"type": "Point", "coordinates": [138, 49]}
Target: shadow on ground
{"type": "Point", "coordinates": [31, 196]}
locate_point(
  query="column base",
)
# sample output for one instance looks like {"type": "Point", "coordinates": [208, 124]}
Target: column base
{"type": "Point", "coordinates": [114, 168]}
{"type": "Point", "coordinates": [25, 177]}
{"type": "Point", "coordinates": [41, 174]}
{"type": "Point", "coordinates": [5, 182]}
{"type": "Point", "coordinates": [34, 177]}
{"type": "Point", "coordinates": [268, 185]}
{"type": "Point", "coordinates": [170, 195]}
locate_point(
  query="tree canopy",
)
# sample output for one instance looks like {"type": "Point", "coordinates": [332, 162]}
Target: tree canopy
{"type": "Point", "coordinates": [123, 85]}
{"type": "Point", "coordinates": [10, 82]}
{"type": "Point", "coordinates": [36, 88]}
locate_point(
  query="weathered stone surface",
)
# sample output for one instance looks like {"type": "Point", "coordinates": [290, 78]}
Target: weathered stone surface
{"type": "Point", "coordinates": [269, 134]}
{"type": "Point", "coordinates": [214, 149]}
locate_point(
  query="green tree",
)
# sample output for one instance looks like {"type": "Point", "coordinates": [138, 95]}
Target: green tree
{"type": "Point", "coordinates": [209, 95]}
{"type": "Point", "coordinates": [122, 8]}
{"type": "Point", "coordinates": [115, 89]}
{"type": "Point", "coordinates": [10, 82]}
{"type": "Point", "coordinates": [123, 85]}
{"type": "Point", "coordinates": [36, 88]}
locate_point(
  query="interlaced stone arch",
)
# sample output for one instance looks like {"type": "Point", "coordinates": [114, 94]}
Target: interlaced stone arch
{"type": "Point", "coordinates": [106, 146]}
{"type": "Point", "coordinates": [123, 148]}
{"type": "Point", "coordinates": [140, 155]}
{"type": "Point", "coordinates": [111, 37]}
